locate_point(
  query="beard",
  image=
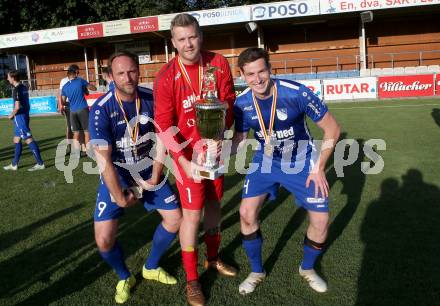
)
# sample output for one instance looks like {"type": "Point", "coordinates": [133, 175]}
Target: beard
{"type": "Point", "coordinates": [128, 90]}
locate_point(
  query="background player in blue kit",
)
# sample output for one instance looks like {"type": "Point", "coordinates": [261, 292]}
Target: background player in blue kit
{"type": "Point", "coordinates": [276, 110]}
{"type": "Point", "coordinates": [20, 117]}
{"type": "Point", "coordinates": [74, 91]}
{"type": "Point", "coordinates": [120, 127]}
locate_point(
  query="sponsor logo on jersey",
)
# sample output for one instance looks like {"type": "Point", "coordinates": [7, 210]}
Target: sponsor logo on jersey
{"type": "Point", "coordinates": [280, 134]}
{"type": "Point", "coordinates": [114, 114]}
{"type": "Point", "coordinates": [188, 102]}
{"type": "Point", "coordinates": [124, 142]}
{"type": "Point", "coordinates": [282, 114]}
{"type": "Point", "coordinates": [287, 147]}
{"type": "Point", "coordinates": [178, 74]}
{"type": "Point", "coordinates": [316, 201]}
{"type": "Point", "coordinates": [191, 122]}
{"type": "Point", "coordinates": [121, 122]}
{"type": "Point", "coordinates": [287, 133]}
{"type": "Point", "coordinates": [314, 109]}
{"type": "Point", "coordinates": [254, 117]}
{"type": "Point", "coordinates": [170, 199]}
{"type": "Point", "coordinates": [248, 108]}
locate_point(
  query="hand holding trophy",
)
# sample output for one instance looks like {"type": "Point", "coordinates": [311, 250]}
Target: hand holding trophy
{"type": "Point", "coordinates": [210, 122]}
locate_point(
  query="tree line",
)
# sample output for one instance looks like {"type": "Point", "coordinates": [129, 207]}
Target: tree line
{"type": "Point", "coordinates": [23, 15]}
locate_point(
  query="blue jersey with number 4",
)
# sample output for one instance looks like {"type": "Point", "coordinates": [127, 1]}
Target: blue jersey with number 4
{"type": "Point", "coordinates": [292, 140]}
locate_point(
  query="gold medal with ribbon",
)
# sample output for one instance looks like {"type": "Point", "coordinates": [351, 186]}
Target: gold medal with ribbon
{"type": "Point", "coordinates": [268, 145]}
{"type": "Point", "coordinates": [133, 131]}
{"type": "Point", "coordinates": [188, 79]}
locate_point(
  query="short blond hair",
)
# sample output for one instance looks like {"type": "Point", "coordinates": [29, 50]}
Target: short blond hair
{"type": "Point", "coordinates": [184, 20]}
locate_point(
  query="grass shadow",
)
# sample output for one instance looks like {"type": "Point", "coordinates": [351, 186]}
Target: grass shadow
{"type": "Point", "coordinates": [74, 247]}
{"type": "Point", "coordinates": [436, 115]}
{"type": "Point", "coordinates": [400, 232]}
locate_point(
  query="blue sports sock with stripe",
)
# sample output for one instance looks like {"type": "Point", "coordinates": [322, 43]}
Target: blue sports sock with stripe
{"type": "Point", "coordinates": [17, 154]}
{"type": "Point", "coordinates": [162, 240]}
{"type": "Point", "coordinates": [310, 256]}
{"type": "Point", "coordinates": [33, 146]}
{"type": "Point", "coordinates": [115, 259]}
{"type": "Point", "coordinates": [253, 249]}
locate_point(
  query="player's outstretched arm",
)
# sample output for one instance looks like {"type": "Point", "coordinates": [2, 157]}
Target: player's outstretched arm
{"type": "Point", "coordinates": [110, 177]}
{"type": "Point", "coordinates": [331, 135]}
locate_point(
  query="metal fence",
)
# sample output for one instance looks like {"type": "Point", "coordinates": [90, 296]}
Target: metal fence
{"type": "Point", "coordinates": [403, 59]}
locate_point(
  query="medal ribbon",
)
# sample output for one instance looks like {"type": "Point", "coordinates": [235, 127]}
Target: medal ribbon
{"type": "Point", "coordinates": [134, 132]}
{"type": "Point", "coordinates": [272, 114]}
{"type": "Point", "coordinates": [187, 78]}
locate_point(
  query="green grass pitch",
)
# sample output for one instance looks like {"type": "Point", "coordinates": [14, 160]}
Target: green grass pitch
{"type": "Point", "coordinates": [383, 246]}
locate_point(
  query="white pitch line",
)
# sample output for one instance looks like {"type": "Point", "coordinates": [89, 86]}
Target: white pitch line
{"type": "Point", "coordinates": [385, 106]}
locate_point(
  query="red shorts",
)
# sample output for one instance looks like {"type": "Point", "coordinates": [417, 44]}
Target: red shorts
{"type": "Point", "coordinates": [194, 194]}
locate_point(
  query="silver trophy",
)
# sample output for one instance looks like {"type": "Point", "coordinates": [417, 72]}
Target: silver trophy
{"type": "Point", "coordinates": [210, 122]}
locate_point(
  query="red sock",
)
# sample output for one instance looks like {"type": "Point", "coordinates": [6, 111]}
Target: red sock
{"type": "Point", "coordinates": [212, 245]}
{"type": "Point", "coordinates": [189, 260]}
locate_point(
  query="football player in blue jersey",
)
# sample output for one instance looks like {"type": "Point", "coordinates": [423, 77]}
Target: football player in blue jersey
{"type": "Point", "coordinates": [276, 110]}
{"type": "Point", "coordinates": [20, 116]}
{"type": "Point", "coordinates": [121, 129]}
{"type": "Point", "coordinates": [72, 95]}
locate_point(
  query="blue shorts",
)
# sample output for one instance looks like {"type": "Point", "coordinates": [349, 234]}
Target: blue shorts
{"type": "Point", "coordinates": [21, 127]}
{"type": "Point", "coordinates": [105, 209]}
{"type": "Point", "coordinates": [259, 182]}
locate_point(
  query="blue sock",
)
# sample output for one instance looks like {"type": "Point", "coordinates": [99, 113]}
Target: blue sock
{"type": "Point", "coordinates": [310, 256]}
{"type": "Point", "coordinates": [115, 259]}
{"type": "Point", "coordinates": [36, 151]}
{"type": "Point", "coordinates": [17, 154]}
{"type": "Point", "coordinates": [162, 239]}
{"type": "Point", "coordinates": [253, 251]}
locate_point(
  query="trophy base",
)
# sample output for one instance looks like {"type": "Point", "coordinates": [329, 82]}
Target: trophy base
{"type": "Point", "coordinates": [211, 174]}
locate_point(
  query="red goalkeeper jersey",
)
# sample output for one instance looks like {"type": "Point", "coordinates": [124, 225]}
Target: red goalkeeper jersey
{"type": "Point", "coordinates": [174, 98]}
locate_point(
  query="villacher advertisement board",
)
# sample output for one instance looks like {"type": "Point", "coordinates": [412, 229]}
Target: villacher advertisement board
{"type": "Point", "coordinates": [406, 86]}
